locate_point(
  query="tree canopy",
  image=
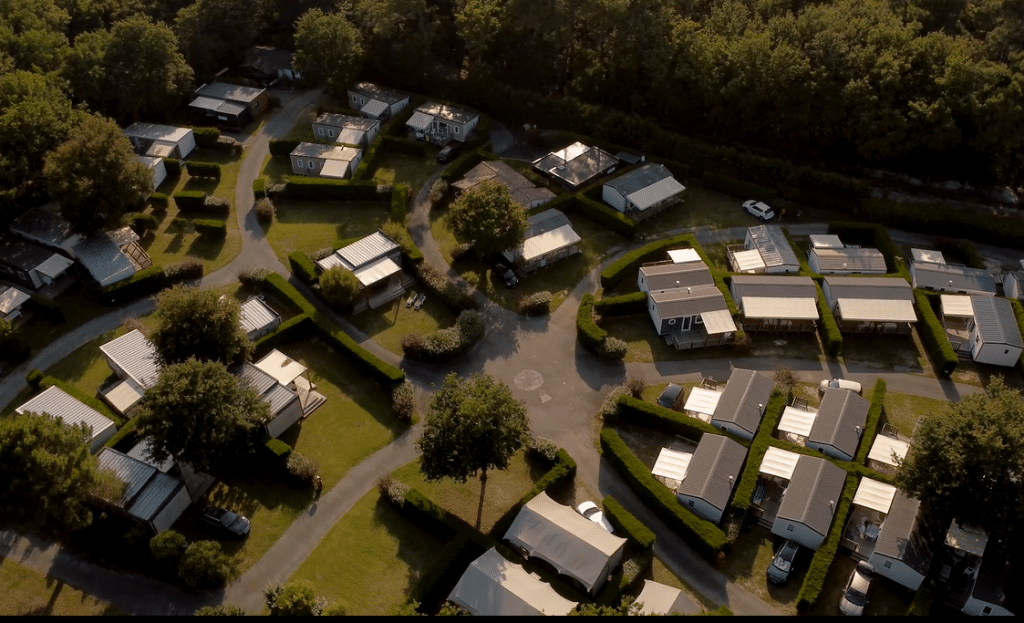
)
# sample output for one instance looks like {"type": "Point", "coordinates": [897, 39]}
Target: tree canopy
{"type": "Point", "coordinates": [328, 50]}
{"type": "Point", "coordinates": [967, 460]}
{"type": "Point", "coordinates": [198, 413]}
{"type": "Point", "coordinates": [473, 425]}
{"type": "Point", "coordinates": [95, 176]}
{"type": "Point", "coordinates": [339, 287]}
{"type": "Point", "coordinates": [198, 323]}
{"type": "Point", "coordinates": [217, 33]}
{"type": "Point", "coordinates": [487, 218]}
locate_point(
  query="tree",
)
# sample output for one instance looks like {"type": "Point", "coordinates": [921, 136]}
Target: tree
{"type": "Point", "coordinates": [328, 50]}
{"type": "Point", "coordinates": [472, 426]}
{"type": "Point", "coordinates": [204, 564]}
{"type": "Point", "coordinates": [487, 218]}
{"type": "Point", "coordinates": [145, 73]}
{"type": "Point", "coordinates": [168, 547]}
{"type": "Point", "coordinates": [217, 33]}
{"type": "Point", "coordinates": [195, 323]}
{"type": "Point", "coordinates": [221, 610]}
{"type": "Point", "coordinates": [199, 413]}
{"type": "Point", "coordinates": [967, 459]}
{"type": "Point", "coordinates": [339, 287]}
{"type": "Point", "coordinates": [46, 473]}
{"type": "Point", "coordinates": [95, 176]}
{"type": "Point", "coordinates": [628, 607]}
{"type": "Point", "coordinates": [295, 599]}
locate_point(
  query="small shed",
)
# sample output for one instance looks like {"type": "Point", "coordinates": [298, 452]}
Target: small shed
{"type": "Point", "coordinates": [133, 358]}
{"type": "Point", "coordinates": [285, 406]}
{"type": "Point", "coordinates": [232, 105]}
{"type": "Point", "coordinates": [493, 586]}
{"type": "Point", "coordinates": [31, 265]}
{"type": "Point", "coordinates": [157, 169]}
{"type": "Point", "coordinates": [258, 318]}
{"type": "Point", "coordinates": [57, 403]}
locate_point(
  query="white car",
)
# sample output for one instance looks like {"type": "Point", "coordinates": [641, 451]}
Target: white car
{"type": "Point", "coordinates": [759, 209]}
{"type": "Point", "coordinates": [853, 386]}
{"type": "Point", "coordinates": [590, 510]}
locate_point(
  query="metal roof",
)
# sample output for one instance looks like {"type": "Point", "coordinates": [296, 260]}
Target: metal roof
{"type": "Point", "coordinates": [888, 450]}
{"type": "Point", "coordinates": [230, 92]}
{"type": "Point", "coordinates": [522, 189]}
{"type": "Point", "coordinates": [714, 470]}
{"type": "Point", "coordinates": [326, 152]}
{"type": "Point", "coordinates": [876, 310]}
{"type": "Point", "coordinates": [377, 270]}
{"type": "Point", "coordinates": [148, 489]}
{"type": "Point", "coordinates": [747, 261]}
{"type": "Point", "coordinates": [779, 463]}
{"type": "Point", "coordinates": [44, 224]}
{"type": "Point", "coordinates": [874, 495]}
{"type": "Point", "coordinates": [104, 260]}
{"type": "Point", "coordinates": [269, 390]}
{"type": "Point", "coordinates": [813, 494]}
{"type": "Point", "coordinates": [53, 267]}
{"type": "Point", "coordinates": [849, 259]}
{"type": "Point", "coordinates": [136, 355]}
{"type": "Point", "coordinates": [375, 108]}
{"type": "Point", "coordinates": [956, 305]}
{"type": "Point", "coordinates": [672, 464]}
{"type": "Point", "coordinates": [638, 179]}
{"type": "Point", "coordinates": [11, 299]}
{"type": "Point", "coordinates": [281, 367]}
{"type": "Point", "coordinates": [217, 105]}
{"type": "Point", "coordinates": [366, 250]}
{"type": "Point", "coordinates": [335, 169]}
{"type": "Point", "coordinates": [58, 403]}
{"type": "Point", "coordinates": [677, 275]}
{"type": "Point", "coordinates": [548, 242]}
{"type": "Point", "coordinates": [702, 400]}
{"type": "Point", "coordinates": [789, 286]}
{"type": "Point", "coordinates": [963, 537]}
{"type": "Point", "coordinates": [770, 241]}
{"type": "Point", "coordinates": [690, 301]}
{"type": "Point", "coordinates": [927, 255]}
{"type": "Point", "coordinates": [576, 163]}
{"type": "Point", "coordinates": [744, 399]}
{"type": "Point", "coordinates": [900, 537]}
{"type": "Point", "coordinates": [493, 586]}
{"type": "Point", "coordinates": [840, 420]}
{"type": "Point", "coordinates": [826, 241]}
{"type": "Point", "coordinates": [142, 452]}
{"type": "Point", "coordinates": [717, 321]}
{"type": "Point", "coordinates": [361, 124]}
{"type": "Point", "coordinates": [679, 256]}
{"type": "Point", "coordinates": [996, 321]}
{"type": "Point", "coordinates": [385, 95]}
{"type": "Point", "coordinates": [256, 315]}
{"type": "Point", "coordinates": [779, 307]}
{"type": "Point", "coordinates": [887, 288]}
{"type": "Point", "coordinates": [419, 121]}
{"type": "Point", "coordinates": [157, 132]}
{"type": "Point", "coordinates": [796, 421]}
{"type": "Point", "coordinates": [950, 277]}
{"type": "Point", "coordinates": [446, 112]}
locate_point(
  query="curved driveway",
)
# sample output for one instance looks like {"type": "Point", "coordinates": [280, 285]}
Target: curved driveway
{"type": "Point", "coordinates": [562, 385]}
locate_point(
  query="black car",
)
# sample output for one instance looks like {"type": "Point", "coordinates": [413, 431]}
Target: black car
{"type": "Point", "coordinates": [448, 152]}
{"type": "Point", "coordinates": [507, 276]}
{"type": "Point", "coordinates": [229, 524]}
{"type": "Point", "coordinates": [670, 396]}
{"type": "Point", "coordinates": [782, 563]}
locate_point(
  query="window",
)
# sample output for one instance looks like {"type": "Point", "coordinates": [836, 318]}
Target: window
{"type": "Point", "coordinates": [320, 131]}
{"type": "Point", "coordinates": [790, 528]}
{"type": "Point", "coordinates": [456, 129]}
{"type": "Point", "coordinates": [301, 163]}
{"type": "Point", "coordinates": [672, 321]}
{"type": "Point", "coordinates": [330, 133]}
{"type": "Point", "coordinates": [888, 564]}
{"type": "Point", "coordinates": [312, 165]}
{"type": "Point", "coordinates": [354, 99]}
{"type": "Point", "coordinates": [987, 610]}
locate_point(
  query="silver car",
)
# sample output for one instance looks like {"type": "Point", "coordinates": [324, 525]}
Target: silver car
{"type": "Point", "coordinates": [782, 563]}
{"type": "Point", "coordinates": [858, 590]}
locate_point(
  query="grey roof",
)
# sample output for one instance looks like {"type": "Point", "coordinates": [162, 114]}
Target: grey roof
{"type": "Point", "coordinates": [773, 286]}
{"type": "Point", "coordinates": [878, 288]}
{"type": "Point", "coordinates": [681, 275]}
{"type": "Point", "coordinates": [142, 452]}
{"type": "Point", "coordinates": [384, 94]}
{"type": "Point", "coordinates": [447, 113]}
{"type": "Point", "coordinates": [629, 157]}
{"type": "Point", "coordinates": [951, 277]}
{"type": "Point", "coordinates": [375, 108]}
{"type": "Point", "coordinates": [104, 260]}
{"type": "Point", "coordinates": [23, 254]}
{"type": "Point", "coordinates": [370, 248]}
{"type": "Point", "coordinates": [996, 321]}
{"type": "Point", "coordinates": [813, 493]}
{"type": "Point", "coordinates": [840, 414]}
{"type": "Point", "coordinates": [58, 403]}
{"type": "Point", "coordinates": [157, 132]}
{"type": "Point", "coordinates": [901, 536]}
{"type": "Point", "coordinates": [853, 259]}
{"type": "Point", "coordinates": [325, 152]}
{"type": "Point", "coordinates": [576, 163]}
{"type": "Point", "coordinates": [148, 489]}
{"type": "Point", "coordinates": [637, 179]}
{"type": "Point", "coordinates": [277, 396]}
{"type": "Point", "coordinates": [136, 355]}
{"type": "Point", "coordinates": [770, 241]}
{"type": "Point", "coordinates": [740, 400]}
{"type": "Point", "coordinates": [545, 221]}
{"type": "Point", "coordinates": [684, 302]}
{"type": "Point", "coordinates": [713, 471]}
{"type": "Point", "coordinates": [519, 186]}
{"type": "Point", "coordinates": [346, 121]}
{"type": "Point", "coordinates": [256, 315]}
{"type": "Point", "coordinates": [217, 105]}
{"type": "Point", "coordinates": [230, 92]}
{"type": "Point", "coordinates": [44, 224]}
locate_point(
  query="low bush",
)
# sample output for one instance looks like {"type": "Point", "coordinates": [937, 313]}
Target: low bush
{"type": "Point", "coordinates": [206, 136]}
{"type": "Point", "coordinates": [259, 188]}
{"type": "Point", "coordinates": [397, 232]}
{"type": "Point", "coordinates": [210, 170]}
{"type": "Point", "coordinates": [315, 188]}
{"type": "Point", "coordinates": [142, 283]}
{"type": "Point", "coordinates": [265, 211]}
{"type": "Point", "coordinates": [871, 424]}
{"type": "Point", "coordinates": [190, 200]}
{"type": "Point", "coordinates": [612, 348]}
{"type": "Point", "coordinates": [302, 469]}
{"type": "Point", "coordinates": [643, 413]}
{"type": "Point", "coordinates": [392, 490]}
{"type": "Point", "coordinates": [140, 222]}
{"type": "Point", "coordinates": [159, 201]}
{"type": "Point", "coordinates": [279, 449]}
{"type": "Point", "coordinates": [179, 225]}
{"type": "Point", "coordinates": [537, 303]}
{"type": "Point", "coordinates": [211, 229]}
{"type": "Point", "coordinates": [167, 547]}
{"type": "Point", "coordinates": [217, 205]}
{"type": "Point", "coordinates": [461, 165]}
{"type": "Point", "coordinates": [278, 287]}
{"type": "Point", "coordinates": [606, 216]}
{"type": "Point", "coordinates": [339, 287]}
{"type": "Point", "coordinates": [253, 276]}
{"type": "Point", "coordinates": [173, 168]}
{"type": "Point", "coordinates": [403, 401]}
{"type": "Point", "coordinates": [446, 344]}
{"type": "Point", "coordinates": [204, 565]}
{"type": "Point", "coordinates": [639, 535]}
{"type": "Point", "coordinates": [185, 270]}
{"type": "Point", "coordinates": [45, 310]}
{"type": "Point", "coordinates": [587, 331]}
{"type": "Point", "coordinates": [933, 335]}
{"type": "Point", "coordinates": [455, 296]}
{"type": "Point", "coordinates": [832, 338]}
{"type": "Point", "coordinates": [464, 252]}
{"type": "Point", "coordinates": [542, 450]}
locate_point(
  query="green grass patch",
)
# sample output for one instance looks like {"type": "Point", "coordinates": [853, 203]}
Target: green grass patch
{"type": "Point", "coordinates": [414, 171]}
{"type": "Point", "coordinates": [700, 207]}
{"type": "Point", "coordinates": [903, 410]}
{"type": "Point", "coordinates": [388, 324]}
{"type": "Point", "coordinates": [309, 226]}
{"type": "Point", "coordinates": [748, 562]}
{"type": "Point", "coordinates": [30, 593]}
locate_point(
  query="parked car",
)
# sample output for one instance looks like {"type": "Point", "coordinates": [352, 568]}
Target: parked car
{"type": "Point", "coordinates": [669, 397]}
{"type": "Point", "coordinates": [508, 277]}
{"type": "Point", "coordinates": [858, 591]}
{"type": "Point", "coordinates": [227, 523]}
{"type": "Point", "coordinates": [448, 152]}
{"type": "Point", "coordinates": [853, 386]}
{"type": "Point", "coordinates": [591, 511]}
{"type": "Point", "coordinates": [759, 209]}
{"type": "Point", "coordinates": [782, 563]}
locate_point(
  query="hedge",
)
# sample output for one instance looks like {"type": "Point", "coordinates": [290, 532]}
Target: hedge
{"type": "Point", "coordinates": [628, 264]}
{"type": "Point", "coordinates": [373, 152]}
{"type": "Point", "coordinates": [871, 425]}
{"type": "Point", "coordinates": [282, 148]}
{"type": "Point", "coordinates": [933, 335]}
{"type": "Point", "coordinates": [1018, 313]}
{"type": "Point", "coordinates": [291, 330]}
{"type": "Point", "coordinates": [315, 188]}
{"type": "Point", "coordinates": [608, 217]}
{"type": "Point", "coordinates": [203, 169]}
{"type": "Point", "coordinates": [303, 267]}
{"type": "Point", "coordinates": [632, 303]}
{"type": "Point", "coordinates": [737, 188]}
{"type": "Point", "coordinates": [284, 291]}
{"type": "Point", "coordinates": [212, 229]}
{"type": "Point", "coordinates": [399, 204]}
{"type": "Point", "coordinates": [446, 344]}
{"type": "Point", "coordinates": [628, 526]}
{"type": "Point", "coordinates": [921, 605]}
{"type": "Point", "coordinates": [461, 165]}
{"type": "Point", "coordinates": [259, 188]}
{"type": "Point", "coordinates": [452, 294]}
{"type": "Point", "coordinates": [206, 136]}
{"type": "Point", "coordinates": [146, 281]}
{"type": "Point", "coordinates": [642, 413]}
{"type": "Point", "coordinates": [159, 201]}
{"type": "Point", "coordinates": [45, 309]}
{"type": "Point", "coordinates": [940, 219]}
{"type": "Point", "coordinates": [587, 331]}
{"type": "Point", "coordinates": [833, 338]}
{"type": "Point", "coordinates": [748, 480]}
{"type": "Point", "coordinates": [433, 517]}
{"type": "Point", "coordinates": [814, 581]}
{"type": "Point", "coordinates": [173, 168]}
{"type": "Point", "coordinates": [190, 200]}
{"type": "Point", "coordinates": [443, 573]}
{"type": "Point", "coordinates": [705, 537]}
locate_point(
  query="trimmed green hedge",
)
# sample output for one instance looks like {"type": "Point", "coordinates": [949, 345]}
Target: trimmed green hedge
{"type": "Point", "coordinates": [871, 425]}
{"type": "Point", "coordinates": [443, 573]}
{"type": "Point", "coordinates": [159, 201]}
{"type": "Point", "coordinates": [206, 136]}
{"type": "Point", "coordinates": [642, 413]}
{"type": "Point", "coordinates": [587, 331]}
{"type": "Point", "coordinates": [173, 168]}
{"type": "Point", "coordinates": [632, 303]}
{"type": "Point", "coordinates": [283, 290]}
{"type": "Point", "coordinates": [737, 188]}
{"type": "Point", "coordinates": [748, 480]}
{"type": "Point", "coordinates": [203, 169]}
{"type": "Point", "coordinates": [933, 335]}
{"type": "Point", "coordinates": [303, 267]}
{"type": "Point", "coordinates": [281, 148]}
{"type": "Point", "coordinates": [190, 200]}
{"type": "Point", "coordinates": [814, 581]}
{"type": "Point", "coordinates": [315, 188]}
{"type": "Point", "coordinates": [212, 229]}
{"type": "Point", "coordinates": [705, 537]}
{"type": "Point", "coordinates": [259, 188]}
{"type": "Point", "coordinates": [608, 217]}
{"type": "Point", "coordinates": [146, 281]}
{"type": "Point", "coordinates": [940, 219]}
{"type": "Point", "coordinates": [294, 329]}
{"type": "Point", "coordinates": [45, 309]}
{"type": "Point", "coordinates": [921, 606]}
{"type": "Point", "coordinates": [461, 165]}
{"type": "Point", "coordinates": [630, 263]}
{"type": "Point", "coordinates": [628, 526]}
{"type": "Point", "coordinates": [832, 337]}
{"type": "Point", "coordinates": [1018, 312]}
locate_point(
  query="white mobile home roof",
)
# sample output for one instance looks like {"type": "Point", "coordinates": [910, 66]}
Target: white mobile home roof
{"type": "Point", "coordinates": [122, 397]}
{"type": "Point", "coordinates": [779, 307]}
{"type": "Point", "coordinates": [335, 169]}
{"type": "Point", "coordinates": [217, 105]}
{"type": "Point", "coordinates": [779, 463]}
{"type": "Point", "coordinates": [888, 450]}
{"type": "Point", "coordinates": [58, 403]}
{"type": "Point", "coordinates": [702, 400]}
{"type": "Point", "coordinates": [996, 321]}
{"type": "Point", "coordinates": [281, 367]}
{"type": "Point", "coordinates": [366, 250]}
{"type": "Point", "coordinates": [374, 108]}
{"type": "Point", "coordinates": [549, 241]}
{"type": "Point", "coordinates": [256, 315]}
{"type": "Point", "coordinates": [957, 305]}
{"type": "Point", "coordinates": [796, 421]}
{"type": "Point", "coordinates": [679, 256]}
{"type": "Point", "coordinates": [493, 586]}
{"type": "Point", "coordinates": [747, 261]}
{"type": "Point", "coordinates": [876, 310]}
{"type": "Point", "coordinates": [874, 495]}
{"type": "Point", "coordinates": [826, 241]}
{"type": "Point", "coordinates": [950, 277]}
{"type": "Point", "coordinates": [672, 464]}
{"type": "Point", "coordinates": [771, 243]}
{"type": "Point", "coordinates": [717, 321]}
{"type": "Point", "coordinates": [849, 259]}
{"type": "Point", "coordinates": [928, 255]}
{"type": "Point", "coordinates": [136, 355]}
{"type": "Point", "coordinates": [659, 191]}
{"type": "Point", "coordinates": [11, 299]}
{"type": "Point", "coordinates": [232, 92]}
{"type": "Point", "coordinates": [157, 132]}
{"type": "Point", "coordinates": [377, 270]}
{"type": "Point", "coordinates": [270, 391]}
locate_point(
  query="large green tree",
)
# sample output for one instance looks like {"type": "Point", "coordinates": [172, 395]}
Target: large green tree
{"type": "Point", "coordinates": [487, 218]}
{"type": "Point", "coordinates": [328, 50]}
{"type": "Point", "coordinates": [198, 413]}
{"type": "Point", "coordinates": [200, 324]}
{"type": "Point", "coordinates": [46, 473]}
{"type": "Point", "coordinates": [95, 176]}
{"type": "Point", "coordinates": [32, 33]}
{"type": "Point", "coordinates": [472, 426]}
{"type": "Point", "coordinates": [217, 33]}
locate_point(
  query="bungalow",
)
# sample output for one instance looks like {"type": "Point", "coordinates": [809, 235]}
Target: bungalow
{"type": "Point", "coordinates": [134, 360]}
{"type": "Point", "coordinates": [161, 141]}
{"type": "Point", "coordinates": [522, 190]}
{"type": "Point", "coordinates": [666, 275]}
{"type": "Point", "coordinates": [493, 586]}
{"type": "Point", "coordinates": [150, 497]}
{"type": "Point", "coordinates": [549, 237]}
{"type": "Point", "coordinates": [575, 546]}
{"type": "Point", "coordinates": [711, 476]}
{"type": "Point", "coordinates": [258, 318]}
{"type": "Point", "coordinates": [660, 600]}
{"type": "Point", "coordinates": [809, 501]}
{"type": "Point", "coordinates": [286, 405]}
{"type": "Point", "coordinates": [839, 424]}
{"type": "Point", "coordinates": [376, 101]}
{"type": "Point", "coordinates": [230, 104]}
{"type": "Point", "coordinates": [776, 303]}
{"type": "Point", "coordinates": [576, 164]}
{"type": "Point", "coordinates": [865, 305]}
{"type": "Point", "coordinates": [765, 250]}
{"type": "Point", "coordinates": [994, 335]}
{"type": "Point", "coordinates": [440, 123]}
{"type": "Point", "coordinates": [358, 131]}
{"type": "Point", "coordinates": [643, 192]}
{"type": "Point", "coordinates": [376, 261]}
{"type": "Point", "coordinates": [846, 261]}
{"type": "Point", "coordinates": [687, 316]}
{"type": "Point", "coordinates": [157, 169]}
{"type": "Point", "coordinates": [196, 483]}
{"type": "Point", "coordinates": [742, 403]}
{"type": "Point", "coordinates": [11, 300]}
{"type": "Point", "coordinates": [950, 278]}
{"type": "Point", "coordinates": [57, 403]}
{"type": "Point", "coordinates": [902, 552]}
{"type": "Point", "coordinates": [267, 65]}
{"type": "Point", "coordinates": [333, 161]}
{"type": "Point", "coordinates": [31, 265]}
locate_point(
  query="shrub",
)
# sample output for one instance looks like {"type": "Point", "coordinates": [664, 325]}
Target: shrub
{"type": "Point", "coordinates": [34, 379]}
{"type": "Point", "coordinates": [643, 413]}
{"type": "Point", "coordinates": [543, 450]}
{"type": "Point", "coordinates": [833, 338]}
{"type": "Point", "coordinates": [464, 252]}
{"type": "Point", "coordinates": [141, 223]}
{"type": "Point", "coordinates": [461, 165]}
{"type": "Point", "coordinates": [173, 168]}
{"type": "Point", "coordinates": [339, 287]}
{"type": "Point", "coordinates": [45, 310]}
{"type": "Point", "coordinates": [221, 610]}
{"type": "Point", "coordinates": [639, 535]}
{"type": "Point", "coordinates": [190, 200]}
{"type": "Point", "coordinates": [209, 170]}
{"type": "Point", "coordinates": [403, 401]}
{"type": "Point", "coordinates": [184, 270]}
{"type": "Point", "coordinates": [314, 188]}
{"type": "Point", "coordinates": [392, 490]}
{"type": "Point", "coordinates": [933, 335]}
{"type": "Point", "coordinates": [211, 229]}
{"type": "Point", "coordinates": [446, 344]}
{"type": "Point", "coordinates": [259, 188]}
{"type": "Point", "coordinates": [206, 137]}
{"type": "Point", "coordinates": [302, 468]}
{"type": "Point", "coordinates": [142, 283]}
{"type": "Point", "coordinates": [168, 547]}
{"type": "Point", "coordinates": [438, 190]}
{"type": "Point", "coordinates": [635, 385]}
{"type": "Point", "coordinates": [253, 276]}
{"type": "Point", "coordinates": [536, 303]}
{"type": "Point", "coordinates": [632, 303]}
{"type": "Point", "coordinates": [265, 211]}
{"type": "Point", "coordinates": [737, 188]}
{"type": "Point", "coordinates": [612, 348]}
{"type": "Point", "coordinates": [216, 205]}
{"type": "Point", "coordinates": [295, 599]}
{"type": "Point", "coordinates": [159, 201]}
{"type": "Point", "coordinates": [587, 331]}
{"type": "Point", "coordinates": [452, 295]}
{"type": "Point", "coordinates": [179, 224]}
{"type": "Point", "coordinates": [397, 232]}
{"type": "Point", "coordinates": [610, 410]}
{"type": "Point", "coordinates": [606, 216]}
{"type": "Point", "coordinates": [204, 565]}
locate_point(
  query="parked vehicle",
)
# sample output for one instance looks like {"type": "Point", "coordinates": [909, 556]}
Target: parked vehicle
{"type": "Point", "coordinates": [782, 563]}
{"type": "Point", "coordinates": [669, 397]}
{"type": "Point", "coordinates": [858, 591]}
{"type": "Point", "coordinates": [591, 511]}
{"type": "Point", "coordinates": [227, 523]}
{"type": "Point", "coordinates": [448, 152]}
{"type": "Point", "coordinates": [508, 277]}
{"type": "Point", "coordinates": [759, 209]}
{"type": "Point", "coordinates": [853, 386]}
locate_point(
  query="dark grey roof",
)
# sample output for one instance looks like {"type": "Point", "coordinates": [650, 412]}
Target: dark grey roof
{"type": "Point", "coordinates": [22, 254]}
{"type": "Point", "coordinates": [44, 224]}
{"type": "Point", "coordinates": [383, 94]}
{"type": "Point", "coordinates": [104, 259]}
{"type": "Point", "coordinates": [576, 163]}
{"type": "Point", "coordinates": [628, 157]}
{"type": "Point", "coordinates": [545, 221]}
{"type": "Point", "coordinates": [813, 493]}
{"type": "Point", "coordinates": [773, 286]}
{"type": "Point", "coordinates": [853, 259]}
{"type": "Point", "coordinates": [148, 489]}
{"type": "Point", "coordinates": [230, 92]}
{"type": "Point", "coordinates": [714, 470]}
{"type": "Point", "coordinates": [446, 112]}
{"type": "Point", "coordinates": [739, 401]}
{"type": "Point", "coordinates": [950, 277]}
{"type": "Point", "coordinates": [839, 415]}
{"type": "Point", "coordinates": [684, 302]}
{"type": "Point", "coordinates": [640, 178]}
{"type": "Point", "coordinates": [901, 538]}
{"type": "Point", "coordinates": [878, 288]}
{"type": "Point", "coordinates": [270, 391]}
{"type": "Point", "coordinates": [664, 276]}
{"type": "Point", "coordinates": [996, 321]}
{"type": "Point", "coordinates": [770, 241]}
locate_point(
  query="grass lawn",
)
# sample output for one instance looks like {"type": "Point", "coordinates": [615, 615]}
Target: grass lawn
{"type": "Point", "coordinates": [413, 171]}
{"type": "Point", "coordinates": [887, 598]}
{"type": "Point", "coordinates": [700, 207]}
{"type": "Point", "coordinates": [389, 324]}
{"type": "Point", "coordinates": [370, 559]}
{"type": "Point", "coordinates": [28, 592]}
{"type": "Point", "coordinates": [313, 225]}
{"type": "Point", "coordinates": [276, 170]}
{"type": "Point", "coordinates": [748, 562]}
{"type": "Point", "coordinates": [504, 488]}
{"type": "Point", "coordinates": [645, 443]}
{"type": "Point", "coordinates": [903, 410]}
{"type": "Point", "coordinates": [80, 304]}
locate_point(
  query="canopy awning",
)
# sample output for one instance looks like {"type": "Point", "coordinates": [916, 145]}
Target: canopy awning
{"type": "Point", "coordinates": [785, 308]}
{"type": "Point", "coordinates": [957, 305]}
{"type": "Point", "coordinates": [874, 495]}
{"type": "Point", "coordinates": [420, 121]}
{"type": "Point", "coordinates": [796, 421]}
{"type": "Point", "coordinates": [748, 262]}
{"type": "Point", "coordinates": [335, 169]}
{"type": "Point", "coordinates": [877, 310]}
{"type": "Point", "coordinates": [377, 271]}
{"type": "Point", "coordinates": [672, 464]}
{"type": "Point", "coordinates": [702, 401]}
{"type": "Point", "coordinates": [718, 321]}
{"type": "Point", "coordinates": [888, 450]}
{"type": "Point", "coordinates": [779, 463]}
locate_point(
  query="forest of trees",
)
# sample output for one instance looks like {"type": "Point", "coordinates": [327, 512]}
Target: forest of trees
{"type": "Point", "coordinates": [933, 88]}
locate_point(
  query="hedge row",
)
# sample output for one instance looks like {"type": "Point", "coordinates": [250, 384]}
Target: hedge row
{"type": "Point", "coordinates": [814, 581]}
{"type": "Point", "coordinates": [940, 219]}
{"type": "Point", "coordinates": [705, 537]}
{"type": "Point", "coordinates": [284, 291]}
{"type": "Point", "coordinates": [737, 188]}
{"type": "Point", "coordinates": [374, 151]}
{"type": "Point", "coordinates": [832, 337]}
{"type": "Point", "coordinates": [871, 425]}
{"type": "Point", "coordinates": [933, 335]}
{"type": "Point", "coordinates": [630, 263]}
{"type": "Point", "coordinates": [282, 148]}
{"type": "Point", "coordinates": [292, 330]}
{"type": "Point", "coordinates": [399, 204]}
{"type": "Point", "coordinates": [316, 188]}
{"type": "Point", "coordinates": [142, 283]}
{"type": "Point", "coordinates": [212, 229]}
{"type": "Point", "coordinates": [608, 217]}
{"type": "Point", "coordinates": [642, 413]}
{"type": "Point", "coordinates": [203, 169]}
{"type": "Point", "coordinates": [173, 168]}
{"type": "Point", "coordinates": [587, 331]}
{"type": "Point", "coordinates": [461, 165]}
{"type": "Point", "coordinates": [632, 303]}
{"type": "Point", "coordinates": [259, 188]}
{"type": "Point", "coordinates": [452, 294]}
{"type": "Point", "coordinates": [639, 535]}
{"type": "Point", "coordinates": [206, 136]}
{"type": "Point", "coordinates": [1018, 313]}
{"type": "Point", "coordinates": [303, 267]}
{"type": "Point", "coordinates": [159, 201]}
{"type": "Point", "coordinates": [748, 480]}
{"type": "Point", "coordinates": [190, 200]}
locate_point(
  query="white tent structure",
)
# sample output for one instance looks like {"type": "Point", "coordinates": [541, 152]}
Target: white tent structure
{"type": "Point", "coordinates": [659, 600]}
{"type": "Point", "coordinates": [493, 586]}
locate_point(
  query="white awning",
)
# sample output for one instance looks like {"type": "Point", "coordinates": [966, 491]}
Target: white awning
{"type": "Point", "coordinates": [874, 495]}
{"type": "Point", "coordinates": [335, 169]}
{"type": "Point", "coordinates": [877, 310]}
{"type": "Point", "coordinates": [420, 121]}
{"type": "Point", "coordinates": [747, 261]}
{"type": "Point", "coordinates": [656, 192]}
{"type": "Point", "coordinates": [796, 421]}
{"type": "Point", "coordinates": [54, 266]}
{"type": "Point", "coordinates": [679, 256]}
{"type": "Point", "coordinates": [377, 270]}
{"type": "Point", "coordinates": [718, 321]}
{"type": "Point", "coordinates": [888, 450]}
{"type": "Point", "coordinates": [281, 367]}
{"type": "Point", "coordinates": [123, 397]}
{"type": "Point", "coordinates": [779, 463]}
{"type": "Point", "coordinates": [957, 305]}
{"type": "Point", "coordinates": [672, 464]}
{"type": "Point", "coordinates": [549, 242]}
{"type": "Point", "coordinates": [11, 299]}
{"type": "Point", "coordinates": [702, 401]}
{"type": "Point", "coordinates": [375, 108]}
{"type": "Point", "coordinates": [784, 308]}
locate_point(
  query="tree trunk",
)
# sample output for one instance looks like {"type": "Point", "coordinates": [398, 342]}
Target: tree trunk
{"type": "Point", "coordinates": [480, 507]}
